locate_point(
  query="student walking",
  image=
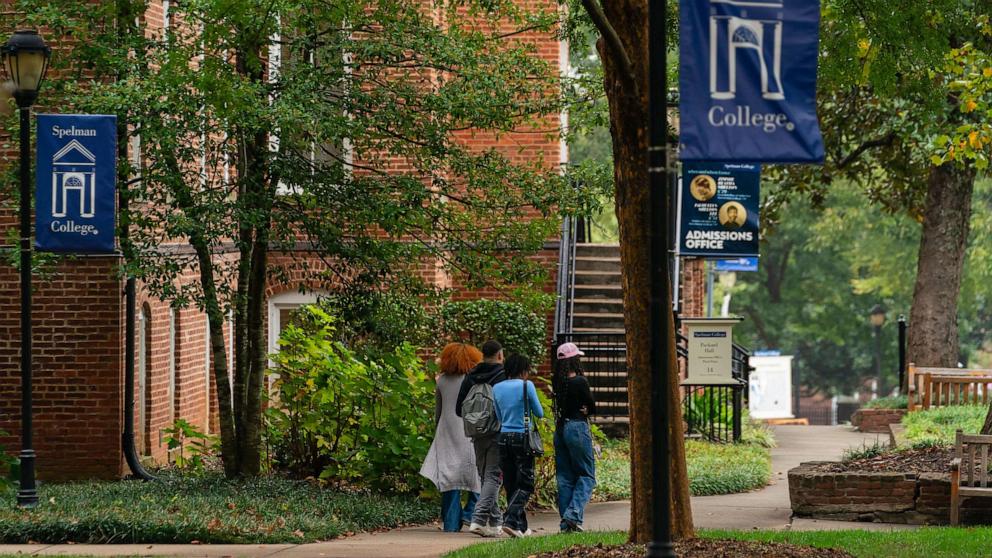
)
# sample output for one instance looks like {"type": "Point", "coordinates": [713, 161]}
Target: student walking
{"type": "Point", "coordinates": [516, 400]}
{"type": "Point", "coordinates": [450, 463]}
{"type": "Point", "coordinates": [481, 423]}
{"type": "Point", "coordinates": [575, 464]}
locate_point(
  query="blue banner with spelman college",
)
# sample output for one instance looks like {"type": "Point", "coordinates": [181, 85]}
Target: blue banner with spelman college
{"type": "Point", "coordinates": [718, 216]}
{"type": "Point", "coordinates": [747, 81]}
{"type": "Point", "coordinates": [75, 201]}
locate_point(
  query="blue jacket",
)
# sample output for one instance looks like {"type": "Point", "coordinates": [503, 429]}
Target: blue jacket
{"type": "Point", "coordinates": [509, 395]}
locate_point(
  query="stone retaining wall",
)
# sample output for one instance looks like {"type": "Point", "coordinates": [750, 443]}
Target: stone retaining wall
{"type": "Point", "coordinates": [911, 498]}
{"type": "Point", "coordinates": [876, 420]}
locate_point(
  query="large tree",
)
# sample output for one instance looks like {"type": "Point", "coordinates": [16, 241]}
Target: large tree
{"type": "Point", "coordinates": [316, 143]}
{"type": "Point", "coordinates": [623, 49]}
{"type": "Point", "coordinates": [887, 98]}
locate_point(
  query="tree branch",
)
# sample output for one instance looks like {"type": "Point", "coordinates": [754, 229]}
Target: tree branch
{"type": "Point", "coordinates": [611, 37]}
{"type": "Point", "coordinates": [883, 141]}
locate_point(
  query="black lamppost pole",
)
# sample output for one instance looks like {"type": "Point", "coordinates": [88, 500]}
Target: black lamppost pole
{"type": "Point", "coordinates": [25, 58]}
{"type": "Point", "coordinates": [877, 318]}
{"type": "Point", "coordinates": [660, 298]}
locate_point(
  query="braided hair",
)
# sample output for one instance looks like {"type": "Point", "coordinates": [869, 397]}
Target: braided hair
{"type": "Point", "coordinates": [559, 383]}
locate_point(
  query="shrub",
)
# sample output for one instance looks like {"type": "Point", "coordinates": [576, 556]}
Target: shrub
{"type": "Point", "coordinates": [190, 448]}
{"type": "Point", "coordinates": [756, 432]}
{"type": "Point", "coordinates": [379, 321]}
{"type": "Point", "coordinates": [891, 402]}
{"type": "Point", "coordinates": [713, 469]}
{"type": "Point", "coordinates": [208, 509]}
{"type": "Point", "coordinates": [510, 323]}
{"type": "Point", "coordinates": [939, 424]}
{"type": "Point", "coordinates": [348, 418]}
{"type": "Point", "coordinates": [726, 468]}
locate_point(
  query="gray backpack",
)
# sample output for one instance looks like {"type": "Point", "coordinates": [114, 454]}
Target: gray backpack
{"type": "Point", "coordinates": [479, 411]}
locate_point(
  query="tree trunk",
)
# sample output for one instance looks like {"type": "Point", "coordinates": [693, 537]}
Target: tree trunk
{"type": "Point", "coordinates": [259, 184]}
{"type": "Point", "coordinates": [627, 96]}
{"type": "Point", "coordinates": [933, 331]}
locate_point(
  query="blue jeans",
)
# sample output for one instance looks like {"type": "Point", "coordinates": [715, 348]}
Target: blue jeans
{"type": "Point", "coordinates": [452, 512]}
{"type": "Point", "coordinates": [575, 466]}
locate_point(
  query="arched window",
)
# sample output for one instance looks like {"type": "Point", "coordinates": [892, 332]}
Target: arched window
{"type": "Point", "coordinates": [173, 363]}
{"type": "Point", "coordinates": [144, 378]}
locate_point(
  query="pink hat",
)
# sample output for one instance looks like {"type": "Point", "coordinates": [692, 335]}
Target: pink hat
{"type": "Point", "coordinates": [569, 350]}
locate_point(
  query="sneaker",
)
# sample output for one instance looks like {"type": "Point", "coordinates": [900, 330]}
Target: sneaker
{"type": "Point", "coordinates": [528, 533]}
{"type": "Point", "coordinates": [477, 529]}
{"type": "Point", "coordinates": [569, 526]}
{"type": "Point", "coordinates": [515, 533]}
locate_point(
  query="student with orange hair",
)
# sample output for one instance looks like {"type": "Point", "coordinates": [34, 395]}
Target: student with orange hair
{"type": "Point", "coordinates": [450, 463]}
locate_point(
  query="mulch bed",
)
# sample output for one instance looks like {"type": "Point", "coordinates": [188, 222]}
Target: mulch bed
{"type": "Point", "coordinates": [923, 460]}
{"type": "Point", "coordinates": [703, 548]}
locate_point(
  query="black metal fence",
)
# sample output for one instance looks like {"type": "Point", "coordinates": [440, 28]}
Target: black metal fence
{"type": "Point", "coordinates": [711, 412]}
{"type": "Point", "coordinates": [605, 366]}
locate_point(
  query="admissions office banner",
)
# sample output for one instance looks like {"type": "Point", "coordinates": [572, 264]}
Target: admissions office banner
{"type": "Point", "coordinates": [75, 200]}
{"type": "Point", "coordinates": [718, 211]}
{"type": "Point", "coordinates": [747, 81]}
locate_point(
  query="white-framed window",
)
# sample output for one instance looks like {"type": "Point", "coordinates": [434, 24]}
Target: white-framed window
{"type": "Point", "coordinates": [280, 55]}
{"type": "Point", "coordinates": [281, 308]}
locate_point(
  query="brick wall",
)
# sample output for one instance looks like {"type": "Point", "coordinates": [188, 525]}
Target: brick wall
{"type": "Point", "coordinates": [876, 420]}
{"type": "Point", "coordinates": [888, 497]}
{"type": "Point", "coordinates": [77, 368]}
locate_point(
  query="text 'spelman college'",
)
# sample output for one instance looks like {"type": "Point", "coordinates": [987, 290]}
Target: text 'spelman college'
{"type": "Point", "coordinates": [75, 198]}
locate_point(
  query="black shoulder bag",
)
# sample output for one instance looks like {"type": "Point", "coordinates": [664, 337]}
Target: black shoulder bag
{"type": "Point", "coordinates": [533, 444]}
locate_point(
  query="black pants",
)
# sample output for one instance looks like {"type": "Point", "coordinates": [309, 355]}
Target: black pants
{"type": "Point", "coordinates": [518, 478]}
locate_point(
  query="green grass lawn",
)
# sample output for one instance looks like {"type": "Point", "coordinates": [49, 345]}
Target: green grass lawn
{"type": "Point", "coordinates": [939, 424]}
{"type": "Point", "coordinates": [929, 542]}
{"type": "Point", "coordinates": [208, 510]}
{"type": "Point", "coordinates": [713, 469]}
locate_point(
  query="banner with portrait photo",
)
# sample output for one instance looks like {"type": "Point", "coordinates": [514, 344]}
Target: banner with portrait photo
{"type": "Point", "coordinates": [718, 211]}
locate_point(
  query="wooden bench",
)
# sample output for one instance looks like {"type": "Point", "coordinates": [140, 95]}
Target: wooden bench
{"type": "Point", "coordinates": [945, 391]}
{"type": "Point", "coordinates": [969, 470]}
{"type": "Point", "coordinates": [916, 376]}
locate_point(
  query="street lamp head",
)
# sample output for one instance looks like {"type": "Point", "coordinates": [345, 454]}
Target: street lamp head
{"type": "Point", "coordinates": [25, 59]}
{"type": "Point", "coordinates": [877, 315]}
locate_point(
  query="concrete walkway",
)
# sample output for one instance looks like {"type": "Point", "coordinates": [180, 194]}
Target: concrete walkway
{"type": "Point", "coordinates": [763, 509]}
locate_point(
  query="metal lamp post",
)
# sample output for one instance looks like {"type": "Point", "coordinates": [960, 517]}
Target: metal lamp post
{"type": "Point", "coordinates": [877, 319]}
{"type": "Point", "coordinates": [25, 58]}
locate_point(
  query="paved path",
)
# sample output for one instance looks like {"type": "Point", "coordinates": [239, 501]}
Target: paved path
{"type": "Point", "coordinates": [764, 509]}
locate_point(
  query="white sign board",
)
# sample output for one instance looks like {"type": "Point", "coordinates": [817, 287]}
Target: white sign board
{"type": "Point", "coordinates": [770, 385]}
{"type": "Point", "coordinates": [710, 350]}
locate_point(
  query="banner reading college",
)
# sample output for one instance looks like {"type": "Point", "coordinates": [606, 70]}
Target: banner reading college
{"type": "Point", "coordinates": [747, 81]}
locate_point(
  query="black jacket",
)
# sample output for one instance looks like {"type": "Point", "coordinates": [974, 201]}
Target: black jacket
{"type": "Point", "coordinates": [484, 372]}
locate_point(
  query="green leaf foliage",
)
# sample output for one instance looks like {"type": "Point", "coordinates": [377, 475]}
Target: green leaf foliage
{"type": "Point", "coordinates": [348, 418]}
{"type": "Point", "coordinates": [189, 448]}
{"type": "Point", "coordinates": [512, 324]}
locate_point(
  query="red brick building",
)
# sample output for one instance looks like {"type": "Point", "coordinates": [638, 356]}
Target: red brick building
{"type": "Point", "coordinates": [79, 324]}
